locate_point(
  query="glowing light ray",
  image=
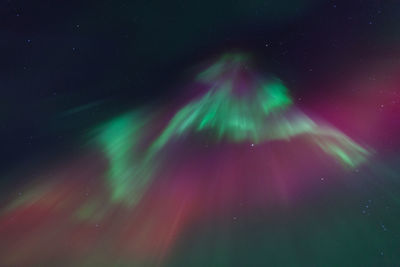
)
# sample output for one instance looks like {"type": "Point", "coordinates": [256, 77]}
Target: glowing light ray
{"type": "Point", "coordinates": [256, 117]}
{"type": "Point", "coordinates": [263, 113]}
{"type": "Point", "coordinates": [130, 170]}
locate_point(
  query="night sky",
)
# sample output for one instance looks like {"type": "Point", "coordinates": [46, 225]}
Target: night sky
{"type": "Point", "coordinates": [70, 71]}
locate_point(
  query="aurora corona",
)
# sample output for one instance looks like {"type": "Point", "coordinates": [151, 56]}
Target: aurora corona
{"type": "Point", "coordinates": [149, 176]}
{"type": "Point", "coordinates": [239, 106]}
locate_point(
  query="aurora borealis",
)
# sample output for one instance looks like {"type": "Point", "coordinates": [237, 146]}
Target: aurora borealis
{"type": "Point", "coordinates": [238, 123]}
{"type": "Point", "coordinates": [222, 134]}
